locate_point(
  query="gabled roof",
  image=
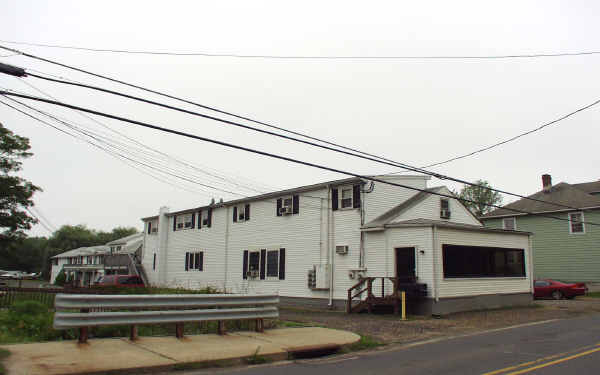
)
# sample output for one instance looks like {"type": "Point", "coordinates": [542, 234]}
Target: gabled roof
{"type": "Point", "coordinates": [83, 251]}
{"type": "Point", "coordinates": [124, 240]}
{"type": "Point", "coordinates": [589, 187]}
{"type": "Point", "coordinates": [131, 244]}
{"type": "Point", "coordinates": [561, 194]}
{"type": "Point", "coordinates": [402, 207]}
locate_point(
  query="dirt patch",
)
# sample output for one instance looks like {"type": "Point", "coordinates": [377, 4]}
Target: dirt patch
{"type": "Point", "coordinates": [389, 328]}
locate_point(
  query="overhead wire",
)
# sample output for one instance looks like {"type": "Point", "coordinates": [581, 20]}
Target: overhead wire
{"type": "Point", "coordinates": [280, 157]}
{"type": "Point", "coordinates": [376, 159]}
{"type": "Point", "coordinates": [309, 57]}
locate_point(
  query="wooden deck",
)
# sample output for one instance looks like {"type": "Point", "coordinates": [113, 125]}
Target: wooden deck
{"type": "Point", "coordinates": [371, 293]}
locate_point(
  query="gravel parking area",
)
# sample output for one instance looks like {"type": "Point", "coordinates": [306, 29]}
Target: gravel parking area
{"type": "Point", "coordinates": [391, 329]}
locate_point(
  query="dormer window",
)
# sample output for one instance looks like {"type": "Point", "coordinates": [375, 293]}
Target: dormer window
{"type": "Point", "coordinates": [444, 208]}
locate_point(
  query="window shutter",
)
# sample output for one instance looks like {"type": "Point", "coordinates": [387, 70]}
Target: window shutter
{"type": "Point", "coordinates": [199, 219]}
{"type": "Point", "coordinates": [295, 204]}
{"type": "Point", "coordinates": [209, 223]}
{"type": "Point", "coordinates": [278, 208]}
{"type": "Point", "coordinates": [281, 264]}
{"type": "Point", "coordinates": [235, 214]}
{"type": "Point", "coordinates": [154, 262]}
{"type": "Point", "coordinates": [200, 264]}
{"type": "Point", "coordinates": [174, 223]}
{"type": "Point", "coordinates": [263, 258]}
{"type": "Point", "coordinates": [187, 261]}
{"type": "Point", "coordinates": [356, 196]}
{"type": "Point", "coordinates": [149, 227]}
{"type": "Point", "coordinates": [245, 261]}
{"type": "Point", "coordinates": [334, 199]}
{"type": "Point", "coordinates": [247, 212]}
{"type": "Point", "coordinates": [194, 220]}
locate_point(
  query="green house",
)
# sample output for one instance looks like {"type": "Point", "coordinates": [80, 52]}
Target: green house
{"type": "Point", "coordinates": [566, 250]}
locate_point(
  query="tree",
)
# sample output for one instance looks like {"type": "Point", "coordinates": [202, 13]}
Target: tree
{"type": "Point", "coordinates": [484, 197]}
{"type": "Point", "coordinates": [15, 192]}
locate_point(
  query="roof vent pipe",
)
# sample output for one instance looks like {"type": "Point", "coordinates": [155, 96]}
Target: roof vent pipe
{"type": "Point", "coordinates": [546, 182]}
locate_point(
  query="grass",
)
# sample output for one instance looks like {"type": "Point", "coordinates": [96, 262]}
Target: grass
{"type": "Point", "coordinates": [593, 294]}
{"type": "Point", "coordinates": [256, 359]}
{"type": "Point", "coordinates": [365, 343]}
{"type": "Point", "coordinates": [3, 355]}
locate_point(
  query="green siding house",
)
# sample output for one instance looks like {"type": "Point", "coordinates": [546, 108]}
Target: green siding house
{"type": "Point", "coordinates": [566, 250]}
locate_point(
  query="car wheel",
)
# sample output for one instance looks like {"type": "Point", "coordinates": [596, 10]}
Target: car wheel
{"type": "Point", "coordinates": [557, 294]}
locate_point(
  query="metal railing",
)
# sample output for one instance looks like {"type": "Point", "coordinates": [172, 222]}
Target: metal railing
{"type": "Point", "coordinates": [177, 309]}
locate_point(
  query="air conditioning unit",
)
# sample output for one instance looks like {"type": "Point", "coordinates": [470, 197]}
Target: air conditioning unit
{"type": "Point", "coordinates": [318, 277]}
{"type": "Point", "coordinates": [153, 230]}
{"type": "Point", "coordinates": [312, 279]}
{"type": "Point", "coordinates": [445, 214]}
{"type": "Point", "coordinates": [286, 210]}
{"type": "Point", "coordinates": [252, 274]}
{"type": "Point", "coordinates": [341, 249]}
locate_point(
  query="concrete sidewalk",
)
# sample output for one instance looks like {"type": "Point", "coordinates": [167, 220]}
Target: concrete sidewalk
{"type": "Point", "coordinates": [160, 353]}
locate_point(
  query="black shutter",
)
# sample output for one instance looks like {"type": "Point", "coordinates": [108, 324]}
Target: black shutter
{"type": "Point", "coordinates": [235, 214]}
{"type": "Point", "coordinates": [334, 199]}
{"type": "Point", "coordinates": [247, 212]}
{"type": "Point", "coordinates": [209, 221]}
{"type": "Point", "coordinates": [356, 196]}
{"type": "Point", "coordinates": [199, 219]}
{"type": "Point", "coordinates": [263, 258]}
{"type": "Point", "coordinates": [281, 264]}
{"type": "Point", "coordinates": [245, 261]}
{"type": "Point", "coordinates": [187, 261]}
{"type": "Point", "coordinates": [295, 204]}
{"type": "Point", "coordinates": [174, 223]}
{"type": "Point", "coordinates": [149, 227]}
{"type": "Point", "coordinates": [200, 265]}
{"type": "Point", "coordinates": [193, 221]}
{"type": "Point", "coordinates": [278, 208]}
{"type": "Point", "coordinates": [154, 262]}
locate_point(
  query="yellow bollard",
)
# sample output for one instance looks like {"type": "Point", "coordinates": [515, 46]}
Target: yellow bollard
{"type": "Point", "coordinates": [403, 305]}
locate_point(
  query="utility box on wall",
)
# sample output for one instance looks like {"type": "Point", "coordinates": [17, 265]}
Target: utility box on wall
{"type": "Point", "coordinates": [318, 277]}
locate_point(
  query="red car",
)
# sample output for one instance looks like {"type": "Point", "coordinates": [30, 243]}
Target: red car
{"type": "Point", "coordinates": [126, 281]}
{"type": "Point", "coordinates": [557, 290]}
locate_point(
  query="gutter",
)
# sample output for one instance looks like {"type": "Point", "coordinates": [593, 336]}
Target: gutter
{"type": "Point", "coordinates": [539, 212]}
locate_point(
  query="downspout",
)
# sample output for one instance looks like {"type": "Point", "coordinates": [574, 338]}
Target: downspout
{"type": "Point", "coordinates": [434, 255]}
{"type": "Point", "coordinates": [226, 248]}
{"type": "Point", "coordinates": [530, 261]}
{"type": "Point", "coordinates": [330, 241]}
{"type": "Point", "coordinates": [321, 231]}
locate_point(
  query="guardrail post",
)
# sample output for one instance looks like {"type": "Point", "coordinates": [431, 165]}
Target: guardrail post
{"type": "Point", "coordinates": [403, 305]}
{"type": "Point", "coordinates": [83, 331]}
{"type": "Point", "coordinates": [260, 325]}
{"type": "Point", "coordinates": [221, 327]}
{"type": "Point", "coordinates": [179, 330]}
{"type": "Point", "coordinates": [133, 333]}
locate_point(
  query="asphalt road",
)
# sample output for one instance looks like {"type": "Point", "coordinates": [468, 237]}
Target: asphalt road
{"type": "Point", "coordinates": [570, 346]}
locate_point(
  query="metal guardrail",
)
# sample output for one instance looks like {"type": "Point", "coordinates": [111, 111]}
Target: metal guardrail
{"type": "Point", "coordinates": [179, 309]}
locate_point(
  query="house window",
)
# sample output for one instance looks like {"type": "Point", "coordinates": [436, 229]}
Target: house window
{"type": "Point", "coordinates": [273, 263]}
{"type": "Point", "coordinates": [184, 221]}
{"type": "Point", "coordinates": [264, 264]}
{"type": "Point", "coordinates": [204, 217]}
{"type": "Point", "coordinates": [509, 223]}
{"type": "Point", "coordinates": [288, 206]}
{"type": "Point", "coordinates": [576, 222]}
{"type": "Point", "coordinates": [444, 209]}
{"type": "Point", "coordinates": [480, 261]}
{"type": "Point", "coordinates": [194, 261]}
{"type": "Point", "coordinates": [153, 227]}
{"type": "Point", "coordinates": [346, 198]}
{"type": "Point", "coordinates": [55, 262]}
{"type": "Point", "coordinates": [241, 213]}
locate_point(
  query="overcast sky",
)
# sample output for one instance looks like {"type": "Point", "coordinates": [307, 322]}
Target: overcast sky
{"type": "Point", "coordinates": [413, 111]}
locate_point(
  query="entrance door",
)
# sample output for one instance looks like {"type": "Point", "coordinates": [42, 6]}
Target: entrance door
{"type": "Point", "coordinates": [405, 263]}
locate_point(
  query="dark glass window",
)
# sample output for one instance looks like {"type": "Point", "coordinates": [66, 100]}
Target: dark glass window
{"type": "Point", "coordinates": [273, 263]}
{"type": "Point", "coordinates": [254, 263]}
{"type": "Point", "coordinates": [481, 261]}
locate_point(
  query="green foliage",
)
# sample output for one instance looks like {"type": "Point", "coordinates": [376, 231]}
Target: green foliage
{"type": "Point", "coordinates": [3, 354]}
{"type": "Point", "coordinates": [15, 192]}
{"type": "Point", "coordinates": [61, 278]}
{"type": "Point", "coordinates": [482, 195]}
{"type": "Point", "coordinates": [256, 359]}
{"type": "Point", "coordinates": [27, 321]}
{"type": "Point", "coordinates": [365, 342]}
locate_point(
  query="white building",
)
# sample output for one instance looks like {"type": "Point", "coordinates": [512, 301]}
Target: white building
{"type": "Point", "coordinates": [84, 265]}
{"type": "Point", "coordinates": [311, 244]}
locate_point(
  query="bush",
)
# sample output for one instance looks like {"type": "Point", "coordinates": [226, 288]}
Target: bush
{"type": "Point", "coordinates": [27, 321]}
{"type": "Point", "coordinates": [61, 278]}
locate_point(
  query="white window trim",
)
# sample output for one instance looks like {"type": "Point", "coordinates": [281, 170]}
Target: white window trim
{"type": "Point", "coordinates": [153, 227]}
{"type": "Point", "coordinates": [183, 222]}
{"type": "Point", "coordinates": [201, 219]}
{"type": "Point", "coordinates": [449, 210]}
{"type": "Point", "coordinates": [514, 219]}
{"type": "Point", "coordinates": [341, 197]}
{"type": "Point", "coordinates": [240, 209]}
{"type": "Point", "coordinates": [582, 225]}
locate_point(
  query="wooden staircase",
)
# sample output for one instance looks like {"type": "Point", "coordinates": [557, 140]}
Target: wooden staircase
{"type": "Point", "coordinates": [362, 297]}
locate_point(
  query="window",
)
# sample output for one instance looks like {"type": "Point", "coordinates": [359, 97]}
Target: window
{"type": "Point", "coordinates": [480, 261]}
{"type": "Point", "coordinates": [576, 223]}
{"type": "Point", "coordinates": [509, 223]}
{"type": "Point", "coordinates": [153, 227]}
{"type": "Point", "coordinates": [444, 209]}
{"type": "Point", "coordinates": [204, 217]}
{"type": "Point", "coordinates": [55, 262]}
{"type": "Point", "coordinates": [89, 260]}
{"type": "Point", "coordinates": [194, 261]}
{"type": "Point", "coordinates": [184, 221]}
{"type": "Point", "coordinates": [241, 213]}
{"type": "Point", "coordinates": [264, 263]}
{"type": "Point", "coordinates": [346, 198]}
{"type": "Point", "coordinates": [288, 206]}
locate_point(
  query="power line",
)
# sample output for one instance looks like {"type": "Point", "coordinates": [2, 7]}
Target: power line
{"type": "Point", "coordinates": [271, 155]}
{"type": "Point", "coordinates": [312, 57]}
{"type": "Point", "coordinates": [39, 221]}
{"type": "Point", "coordinates": [41, 215]}
{"type": "Point", "coordinates": [375, 158]}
